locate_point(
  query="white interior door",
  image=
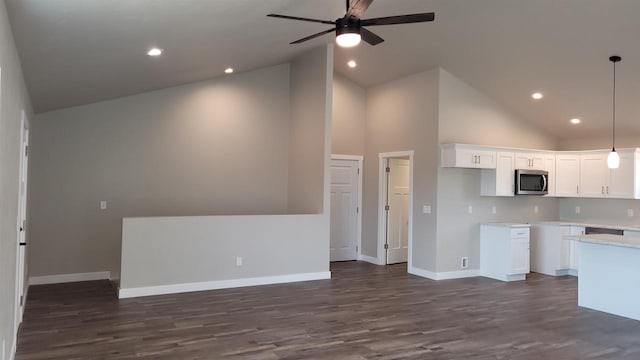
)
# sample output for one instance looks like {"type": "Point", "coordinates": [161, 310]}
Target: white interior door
{"type": "Point", "coordinates": [21, 220]}
{"type": "Point", "coordinates": [398, 213]}
{"type": "Point", "coordinates": [344, 210]}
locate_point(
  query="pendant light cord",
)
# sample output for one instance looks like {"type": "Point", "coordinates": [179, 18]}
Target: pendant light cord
{"type": "Point", "coordinates": [614, 106]}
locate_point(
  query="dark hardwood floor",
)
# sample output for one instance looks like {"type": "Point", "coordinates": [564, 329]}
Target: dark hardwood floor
{"type": "Point", "coordinates": [364, 312]}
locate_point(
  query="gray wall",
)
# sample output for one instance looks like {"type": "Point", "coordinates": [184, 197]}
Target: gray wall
{"type": "Point", "coordinates": [311, 97]}
{"type": "Point", "coordinates": [601, 142]}
{"type": "Point", "coordinates": [403, 115]}
{"type": "Point", "coordinates": [349, 110]}
{"type": "Point", "coordinates": [468, 116]}
{"type": "Point", "coordinates": [14, 99]}
{"type": "Point", "coordinates": [215, 147]}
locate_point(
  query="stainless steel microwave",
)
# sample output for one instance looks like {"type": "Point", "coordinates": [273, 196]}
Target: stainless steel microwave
{"type": "Point", "coordinates": [532, 182]}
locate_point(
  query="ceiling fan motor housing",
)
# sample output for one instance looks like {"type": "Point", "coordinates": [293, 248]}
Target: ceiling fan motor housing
{"type": "Point", "coordinates": [349, 25]}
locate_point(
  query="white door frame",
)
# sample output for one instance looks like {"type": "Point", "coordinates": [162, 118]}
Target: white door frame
{"type": "Point", "coordinates": [360, 160]}
{"type": "Point", "coordinates": [21, 272]}
{"type": "Point", "coordinates": [382, 193]}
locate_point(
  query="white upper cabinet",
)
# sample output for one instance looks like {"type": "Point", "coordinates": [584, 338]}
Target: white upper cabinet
{"type": "Point", "coordinates": [594, 174]}
{"type": "Point", "coordinates": [568, 175]}
{"type": "Point", "coordinates": [499, 181]}
{"type": "Point", "coordinates": [530, 161]}
{"type": "Point", "coordinates": [598, 181]}
{"type": "Point", "coordinates": [622, 182]}
{"type": "Point", "coordinates": [468, 156]}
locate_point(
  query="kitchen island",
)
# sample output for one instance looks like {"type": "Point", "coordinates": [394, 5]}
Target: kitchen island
{"type": "Point", "coordinates": [610, 274]}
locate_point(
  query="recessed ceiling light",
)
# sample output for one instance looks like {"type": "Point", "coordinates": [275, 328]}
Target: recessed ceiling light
{"type": "Point", "coordinates": [155, 51]}
{"type": "Point", "coordinates": [228, 71]}
{"type": "Point", "coordinates": [352, 64]}
{"type": "Point", "coordinates": [537, 96]}
{"type": "Point", "coordinates": [575, 121]}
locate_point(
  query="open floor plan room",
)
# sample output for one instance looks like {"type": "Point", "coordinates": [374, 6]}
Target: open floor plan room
{"type": "Point", "coordinates": [319, 179]}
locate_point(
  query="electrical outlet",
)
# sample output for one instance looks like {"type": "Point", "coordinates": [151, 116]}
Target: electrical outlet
{"type": "Point", "coordinates": [494, 210]}
{"type": "Point", "coordinates": [426, 209]}
{"type": "Point", "coordinates": [470, 209]}
{"type": "Point", "coordinates": [577, 209]}
{"type": "Point", "coordinates": [535, 209]}
{"type": "Point", "coordinates": [238, 261]}
{"type": "Point", "coordinates": [103, 205]}
{"type": "Point", "coordinates": [630, 212]}
{"type": "Point", "coordinates": [464, 262]}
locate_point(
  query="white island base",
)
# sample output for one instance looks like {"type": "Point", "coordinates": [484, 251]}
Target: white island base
{"type": "Point", "coordinates": [610, 274]}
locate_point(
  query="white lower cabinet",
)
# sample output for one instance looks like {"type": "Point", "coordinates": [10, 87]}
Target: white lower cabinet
{"type": "Point", "coordinates": [551, 253]}
{"type": "Point", "coordinates": [504, 252]}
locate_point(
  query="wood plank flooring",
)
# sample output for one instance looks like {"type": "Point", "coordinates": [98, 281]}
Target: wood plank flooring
{"type": "Point", "coordinates": [364, 312]}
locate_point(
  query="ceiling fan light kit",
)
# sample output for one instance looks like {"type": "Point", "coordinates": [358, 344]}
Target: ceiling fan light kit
{"type": "Point", "coordinates": [613, 160]}
{"type": "Point", "coordinates": [349, 29]}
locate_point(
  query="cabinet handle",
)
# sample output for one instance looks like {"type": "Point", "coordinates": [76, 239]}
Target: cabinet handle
{"type": "Point", "coordinates": [577, 190]}
{"type": "Point", "coordinates": [603, 190]}
{"type": "Point", "coordinates": [607, 190]}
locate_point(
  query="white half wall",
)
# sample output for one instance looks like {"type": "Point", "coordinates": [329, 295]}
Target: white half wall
{"type": "Point", "coordinates": [178, 254]}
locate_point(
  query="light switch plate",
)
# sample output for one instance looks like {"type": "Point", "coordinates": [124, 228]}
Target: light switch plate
{"type": "Point", "coordinates": [103, 205]}
{"type": "Point", "coordinates": [535, 209]}
{"type": "Point", "coordinates": [470, 209]}
{"type": "Point", "coordinates": [494, 210]}
{"type": "Point", "coordinates": [426, 209]}
{"type": "Point", "coordinates": [577, 209]}
{"type": "Point", "coordinates": [630, 212]}
{"type": "Point", "coordinates": [238, 261]}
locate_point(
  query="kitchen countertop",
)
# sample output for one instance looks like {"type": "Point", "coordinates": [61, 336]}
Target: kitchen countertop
{"type": "Point", "coordinates": [585, 224]}
{"type": "Point", "coordinates": [508, 224]}
{"type": "Point", "coordinates": [608, 239]}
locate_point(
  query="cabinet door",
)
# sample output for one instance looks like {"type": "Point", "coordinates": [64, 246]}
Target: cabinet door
{"type": "Point", "coordinates": [622, 180]}
{"type": "Point", "coordinates": [538, 161]}
{"type": "Point", "coordinates": [550, 167]}
{"type": "Point", "coordinates": [567, 175]}
{"type": "Point", "coordinates": [574, 248]}
{"type": "Point", "coordinates": [505, 174]}
{"type": "Point", "coordinates": [465, 158]}
{"type": "Point", "coordinates": [594, 175]}
{"type": "Point", "coordinates": [523, 161]}
{"type": "Point", "coordinates": [519, 256]}
{"type": "Point", "coordinates": [564, 255]}
{"type": "Point", "coordinates": [486, 159]}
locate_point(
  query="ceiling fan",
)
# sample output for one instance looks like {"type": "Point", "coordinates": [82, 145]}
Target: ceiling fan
{"type": "Point", "coordinates": [349, 29]}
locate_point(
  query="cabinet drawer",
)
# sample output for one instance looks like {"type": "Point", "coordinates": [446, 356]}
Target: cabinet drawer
{"type": "Point", "coordinates": [519, 233]}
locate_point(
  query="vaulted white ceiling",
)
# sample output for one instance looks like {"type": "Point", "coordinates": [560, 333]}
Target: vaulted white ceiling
{"type": "Point", "coordinates": [75, 52]}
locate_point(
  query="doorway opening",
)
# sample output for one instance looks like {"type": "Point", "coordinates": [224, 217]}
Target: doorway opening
{"type": "Point", "coordinates": [22, 219]}
{"type": "Point", "coordinates": [346, 205]}
{"type": "Point", "coordinates": [395, 215]}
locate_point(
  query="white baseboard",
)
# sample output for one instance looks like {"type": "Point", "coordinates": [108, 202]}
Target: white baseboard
{"type": "Point", "coordinates": [220, 284]}
{"type": "Point", "coordinates": [65, 278]}
{"type": "Point", "coordinates": [369, 259]}
{"type": "Point", "coordinates": [447, 275]}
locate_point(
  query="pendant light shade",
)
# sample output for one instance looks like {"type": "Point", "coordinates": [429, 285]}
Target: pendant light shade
{"type": "Point", "coordinates": [613, 161]}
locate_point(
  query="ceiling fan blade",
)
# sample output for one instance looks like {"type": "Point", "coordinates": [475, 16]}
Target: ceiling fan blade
{"type": "Point", "coordinates": [370, 37]}
{"type": "Point", "coordinates": [400, 19]}
{"type": "Point", "coordinates": [313, 36]}
{"type": "Point", "coordinates": [301, 19]}
{"type": "Point", "coordinates": [358, 7]}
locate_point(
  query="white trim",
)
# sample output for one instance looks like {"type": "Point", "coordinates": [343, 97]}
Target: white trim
{"type": "Point", "coordinates": [382, 183]}
{"type": "Point", "coordinates": [14, 347]}
{"type": "Point", "coordinates": [65, 278]}
{"type": "Point", "coordinates": [447, 275]}
{"type": "Point", "coordinates": [360, 160]}
{"type": "Point", "coordinates": [347, 157]}
{"type": "Point", "coordinates": [220, 284]}
{"type": "Point", "coordinates": [369, 259]}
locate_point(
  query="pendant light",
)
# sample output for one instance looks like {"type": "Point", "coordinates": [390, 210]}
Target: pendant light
{"type": "Point", "coordinates": [613, 161]}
